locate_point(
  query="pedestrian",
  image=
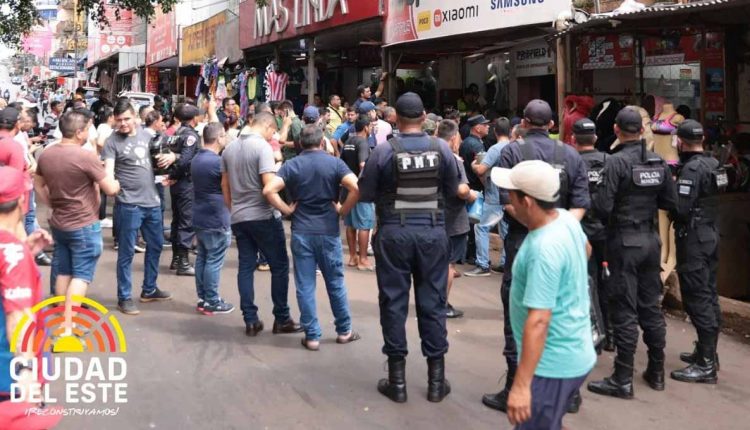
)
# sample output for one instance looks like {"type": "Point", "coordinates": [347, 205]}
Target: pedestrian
{"type": "Point", "coordinates": [411, 241]}
{"type": "Point", "coordinates": [574, 196]}
{"type": "Point", "coordinates": [583, 138]}
{"type": "Point", "coordinates": [364, 92]}
{"type": "Point", "coordinates": [549, 299]}
{"type": "Point", "coordinates": [492, 211]}
{"type": "Point", "coordinates": [211, 221]}
{"type": "Point", "coordinates": [232, 126]}
{"type": "Point", "coordinates": [634, 183]}
{"type": "Point", "coordinates": [228, 107]}
{"type": "Point", "coordinates": [66, 181]}
{"type": "Point", "coordinates": [338, 113]}
{"type": "Point", "coordinates": [699, 182]}
{"type": "Point", "coordinates": [456, 216]}
{"type": "Point", "coordinates": [472, 145]}
{"type": "Point", "coordinates": [99, 105]}
{"type": "Point", "coordinates": [342, 132]}
{"type": "Point", "coordinates": [52, 118]}
{"type": "Point", "coordinates": [246, 165]}
{"type": "Point", "coordinates": [186, 144]}
{"type": "Point", "coordinates": [361, 220]}
{"type": "Point", "coordinates": [138, 208]}
{"type": "Point", "coordinates": [313, 181]}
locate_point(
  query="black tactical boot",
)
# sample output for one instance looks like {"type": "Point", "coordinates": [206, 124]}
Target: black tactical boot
{"type": "Point", "coordinates": [499, 401]}
{"type": "Point", "coordinates": [175, 260]}
{"type": "Point", "coordinates": [703, 370]}
{"type": "Point", "coordinates": [654, 374]}
{"type": "Point", "coordinates": [395, 386]}
{"type": "Point", "coordinates": [691, 357]}
{"type": "Point", "coordinates": [609, 339]}
{"type": "Point", "coordinates": [437, 386]}
{"type": "Point", "coordinates": [620, 384]}
{"type": "Point", "coordinates": [184, 268]}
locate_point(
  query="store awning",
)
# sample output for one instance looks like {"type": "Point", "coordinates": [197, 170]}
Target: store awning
{"type": "Point", "coordinates": [711, 12]}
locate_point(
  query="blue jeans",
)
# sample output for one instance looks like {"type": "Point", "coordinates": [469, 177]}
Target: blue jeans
{"type": "Point", "coordinates": [492, 214]}
{"type": "Point", "coordinates": [320, 251]}
{"type": "Point", "coordinates": [131, 219]}
{"type": "Point", "coordinates": [212, 248]}
{"type": "Point", "coordinates": [29, 220]}
{"type": "Point", "coordinates": [77, 251]}
{"type": "Point", "coordinates": [268, 237]}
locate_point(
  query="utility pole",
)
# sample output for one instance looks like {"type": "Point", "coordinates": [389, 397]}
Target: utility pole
{"type": "Point", "coordinates": [75, 42]}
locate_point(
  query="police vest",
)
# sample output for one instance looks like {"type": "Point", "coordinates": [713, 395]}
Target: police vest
{"type": "Point", "coordinates": [418, 178]}
{"type": "Point", "coordinates": [638, 204]}
{"type": "Point", "coordinates": [592, 226]}
{"type": "Point", "coordinates": [558, 162]}
{"type": "Point", "coordinates": [706, 203]}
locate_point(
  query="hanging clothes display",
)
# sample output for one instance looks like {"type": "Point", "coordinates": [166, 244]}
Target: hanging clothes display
{"type": "Point", "coordinates": [276, 82]}
{"type": "Point", "coordinates": [221, 89]}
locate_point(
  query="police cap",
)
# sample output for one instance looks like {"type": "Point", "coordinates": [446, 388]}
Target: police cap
{"type": "Point", "coordinates": [409, 105]}
{"type": "Point", "coordinates": [584, 127]}
{"type": "Point", "coordinates": [629, 120]}
{"type": "Point", "coordinates": [186, 112]}
{"type": "Point", "coordinates": [538, 112]}
{"type": "Point", "coordinates": [690, 130]}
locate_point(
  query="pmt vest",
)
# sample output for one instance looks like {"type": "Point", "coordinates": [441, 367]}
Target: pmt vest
{"type": "Point", "coordinates": [418, 178]}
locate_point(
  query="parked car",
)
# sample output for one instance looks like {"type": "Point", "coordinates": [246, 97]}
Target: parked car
{"type": "Point", "coordinates": [138, 99]}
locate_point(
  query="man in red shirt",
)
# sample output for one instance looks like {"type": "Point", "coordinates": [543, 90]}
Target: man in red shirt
{"type": "Point", "coordinates": [11, 153]}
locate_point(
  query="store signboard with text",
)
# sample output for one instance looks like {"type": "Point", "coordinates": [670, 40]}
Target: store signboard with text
{"type": "Point", "coordinates": [161, 42]}
{"type": "Point", "coordinates": [112, 38]}
{"type": "Point", "coordinates": [199, 40]}
{"type": "Point", "coordinates": [408, 20]}
{"type": "Point", "coordinates": [607, 51]}
{"type": "Point", "coordinates": [286, 19]}
{"type": "Point", "coordinates": [533, 60]}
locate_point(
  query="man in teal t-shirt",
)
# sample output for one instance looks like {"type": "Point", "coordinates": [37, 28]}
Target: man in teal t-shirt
{"type": "Point", "coordinates": [549, 303]}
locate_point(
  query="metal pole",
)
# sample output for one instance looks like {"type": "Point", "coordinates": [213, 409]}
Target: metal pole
{"type": "Point", "coordinates": [75, 41]}
{"type": "Point", "coordinates": [311, 71]}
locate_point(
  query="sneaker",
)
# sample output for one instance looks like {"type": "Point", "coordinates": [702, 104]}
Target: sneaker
{"type": "Point", "coordinates": [498, 269]}
{"type": "Point", "coordinates": [156, 295]}
{"type": "Point", "coordinates": [200, 305]}
{"type": "Point", "coordinates": [220, 307]}
{"type": "Point", "coordinates": [116, 246]}
{"type": "Point", "coordinates": [318, 272]}
{"type": "Point", "coordinates": [477, 272]}
{"type": "Point", "coordinates": [452, 312]}
{"type": "Point", "coordinates": [264, 267]}
{"type": "Point", "coordinates": [106, 223]}
{"type": "Point", "coordinates": [128, 307]}
{"type": "Point", "coordinates": [370, 252]}
{"type": "Point", "coordinates": [140, 248]}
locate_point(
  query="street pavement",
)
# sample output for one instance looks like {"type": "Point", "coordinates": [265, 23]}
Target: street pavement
{"type": "Point", "coordinates": [189, 371]}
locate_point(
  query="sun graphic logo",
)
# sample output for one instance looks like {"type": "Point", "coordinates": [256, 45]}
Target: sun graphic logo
{"type": "Point", "coordinates": [87, 378]}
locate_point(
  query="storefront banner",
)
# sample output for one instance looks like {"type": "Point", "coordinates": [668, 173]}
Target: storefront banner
{"type": "Point", "coordinates": [229, 31]}
{"type": "Point", "coordinates": [607, 51]}
{"type": "Point", "coordinates": [39, 42]}
{"type": "Point", "coordinates": [112, 38]}
{"type": "Point", "coordinates": [408, 20]}
{"type": "Point", "coordinates": [161, 42]}
{"type": "Point", "coordinates": [62, 64]}
{"type": "Point", "coordinates": [533, 60]}
{"type": "Point", "coordinates": [152, 80]}
{"type": "Point", "coordinates": [673, 48]}
{"type": "Point", "coordinates": [286, 19]}
{"type": "Point", "coordinates": [199, 40]}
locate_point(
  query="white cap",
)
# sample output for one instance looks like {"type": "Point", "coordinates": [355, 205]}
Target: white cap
{"type": "Point", "coordinates": [535, 178]}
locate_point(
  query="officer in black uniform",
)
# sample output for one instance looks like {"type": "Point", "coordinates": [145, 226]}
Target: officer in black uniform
{"type": "Point", "coordinates": [634, 184]}
{"type": "Point", "coordinates": [411, 241]}
{"type": "Point", "coordinates": [574, 195]}
{"type": "Point", "coordinates": [699, 181]}
{"type": "Point", "coordinates": [185, 143]}
{"type": "Point", "coordinates": [584, 138]}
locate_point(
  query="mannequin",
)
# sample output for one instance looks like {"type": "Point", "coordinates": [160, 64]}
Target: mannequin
{"type": "Point", "coordinates": [664, 126]}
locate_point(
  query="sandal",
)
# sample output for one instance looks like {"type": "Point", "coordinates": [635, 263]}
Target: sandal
{"type": "Point", "coordinates": [353, 336]}
{"type": "Point", "coordinates": [353, 263]}
{"type": "Point", "coordinates": [366, 268]}
{"type": "Point", "coordinates": [307, 344]}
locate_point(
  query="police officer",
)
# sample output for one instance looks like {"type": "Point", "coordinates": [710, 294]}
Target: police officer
{"type": "Point", "coordinates": [185, 143]}
{"type": "Point", "coordinates": [699, 182]}
{"type": "Point", "coordinates": [634, 184]}
{"type": "Point", "coordinates": [584, 139]}
{"type": "Point", "coordinates": [411, 241]}
{"type": "Point", "coordinates": [574, 195]}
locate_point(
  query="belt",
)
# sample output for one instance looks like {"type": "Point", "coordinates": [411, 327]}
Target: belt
{"type": "Point", "coordinates": [636, 227]}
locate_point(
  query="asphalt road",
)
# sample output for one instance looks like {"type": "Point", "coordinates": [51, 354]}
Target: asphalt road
{"type": "Point", "coordinates": [189, 371]}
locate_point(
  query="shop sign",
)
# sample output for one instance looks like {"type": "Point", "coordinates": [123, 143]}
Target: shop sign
{"type": "Point", "coordinates": [199, 40]}
{"type": "Point", "coordinates": [62, 64]}
{"type": "Point", "coordinates": [607, 51]}
{"type": "Point", "coordinates": [285, 19]}
{"type": "Point", "coordinates": [117, 35]}
{"type": "Point", "coordinates": [408, 20]}
{"type": "Point", "coordinates": [533, 60]}
{"type": "Point", "coordinates": [161, 42]}
{"type": "Point", "coordinates": [152, 80]}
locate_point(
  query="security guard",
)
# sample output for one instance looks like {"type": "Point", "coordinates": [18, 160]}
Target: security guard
{"type": "Point", "coordinates": [408, 179]}
{"type": "Point", "coordinates": [699, 181]}
{"type": "Point", "coordinates": [574, 195]}
{"type": "Point", "coordinates": [185, 143]}
{"type": "Point", "coordinates": [584, 139]}
{"type": "Point", "coordinates": [634, 184]}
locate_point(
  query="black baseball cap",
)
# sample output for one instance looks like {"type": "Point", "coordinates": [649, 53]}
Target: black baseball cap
{"type": "Point", "coordinates": [629, 120]}
{"type": "Point", "coordinates": [186, 112]}
{"type": "Point", "coordinates": [409, 105]}
{"type": "Point", "coordinates": [538, 112]}
{"type": "Point", "coordinates": [476, 120]}
{"type": "Point", "coordinates": [584, 126]}
{"type": "Point", "coordinates": [9, 117]}
{"type": "Point", "coordinates": [690, 129]}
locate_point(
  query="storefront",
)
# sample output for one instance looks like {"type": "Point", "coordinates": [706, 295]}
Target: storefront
{"type": "Point", "coordinates": [331, 47]}
{"type": "Point", "coordinates": [161, 54]}
{"type": "Point", "coordinates": [104, 46]}
{"type": "Point", "coordinates": [131, 72]}
{"type": "Point", "coordinates": [198, 52]}
{"type": "Point", "coordinates": [446, 49]}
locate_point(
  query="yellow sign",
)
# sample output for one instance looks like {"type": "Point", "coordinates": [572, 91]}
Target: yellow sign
{"type": "Point", "coordinates": [199, 40]}
{"type": "Point", "coordinates": [424, 20]}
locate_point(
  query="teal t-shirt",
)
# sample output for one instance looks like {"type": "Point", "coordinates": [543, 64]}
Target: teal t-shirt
{"type": "Point", "coordinates": [550, 272]}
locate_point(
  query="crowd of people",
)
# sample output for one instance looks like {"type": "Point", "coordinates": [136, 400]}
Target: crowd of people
{"type": "Point", "coordinates": [580, 250]}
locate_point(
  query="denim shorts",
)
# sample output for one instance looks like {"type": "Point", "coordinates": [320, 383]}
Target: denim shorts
{"type": "Point", "coordinates": [77, 251]}
{"type": "Point", "coordinates": [361, 217]}
{"type": "Point", "coordinates": [458, 247]}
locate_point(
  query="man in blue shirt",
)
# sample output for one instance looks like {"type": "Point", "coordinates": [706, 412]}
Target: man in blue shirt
{"type": "Point", "coordinates": [549, 304]}
{"type": "Point", "coordinates": [313, 182]}
{"type": "Point", "coordinates": [411, 242]}
{"type": "Point", "coordinates": [210, 220]}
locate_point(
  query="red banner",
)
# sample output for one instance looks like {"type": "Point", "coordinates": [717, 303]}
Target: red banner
{"type": "Point", "coordinates": [672, 48]}
{"type": "Point", "coordinates": [161, 42]}
{"type": "Point", "coordinates": [152, 80]}
{"type": "Point", "coordinates": [285, 19]}
{"type": "Point", "coordinates": [607, 51]}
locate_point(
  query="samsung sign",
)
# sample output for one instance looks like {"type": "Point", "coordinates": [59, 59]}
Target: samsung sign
{"type": "Point", "coordinates": [505, 4]}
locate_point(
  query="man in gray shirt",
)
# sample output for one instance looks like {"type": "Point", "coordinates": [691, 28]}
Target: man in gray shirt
{"type": "Point", "coordinates": [246, 165]}
{"type": "Point", "coordinates": [138, 208]}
